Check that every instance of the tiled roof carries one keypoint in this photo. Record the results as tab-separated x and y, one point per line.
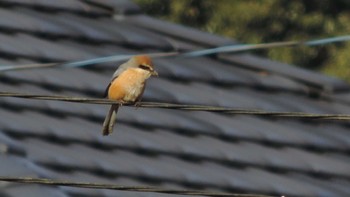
160	147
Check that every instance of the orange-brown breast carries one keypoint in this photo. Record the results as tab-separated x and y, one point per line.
128	86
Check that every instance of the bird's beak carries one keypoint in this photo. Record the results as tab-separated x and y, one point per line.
154	73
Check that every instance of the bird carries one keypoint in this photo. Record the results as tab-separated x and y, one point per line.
127	86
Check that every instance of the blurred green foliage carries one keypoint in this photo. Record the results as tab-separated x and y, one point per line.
259	21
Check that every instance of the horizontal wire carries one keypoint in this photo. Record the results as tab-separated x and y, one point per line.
116	58
202	52
248	47
238	48
186	107
27	66
66	183
83	62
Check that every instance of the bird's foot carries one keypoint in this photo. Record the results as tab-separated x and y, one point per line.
137	104
121	103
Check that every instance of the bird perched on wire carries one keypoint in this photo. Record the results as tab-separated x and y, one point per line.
127	86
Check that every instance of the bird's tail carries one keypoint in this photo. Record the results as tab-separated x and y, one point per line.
110	120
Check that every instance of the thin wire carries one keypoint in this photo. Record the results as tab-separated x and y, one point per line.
43	181
328	40
27	66
238	48
256	112
248	47
223	49
113	58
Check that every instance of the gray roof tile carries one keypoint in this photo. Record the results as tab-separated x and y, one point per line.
30	21
13	45
27	125
10	146
343	97
161	147
41	152
320	164
282	185
14	166
86	177
208	70
34	191
170	118
308	77
63	78
66	5
120	6
336	187
176	31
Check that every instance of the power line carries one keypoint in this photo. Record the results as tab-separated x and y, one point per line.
27	66
43	181
249	47
238	48
186	107
223	49
113	58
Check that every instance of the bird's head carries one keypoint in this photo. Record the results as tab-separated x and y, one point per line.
144	62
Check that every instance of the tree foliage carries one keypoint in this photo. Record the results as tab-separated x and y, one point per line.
259	21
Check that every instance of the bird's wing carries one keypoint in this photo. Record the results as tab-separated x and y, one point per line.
116	74
120	69
106	91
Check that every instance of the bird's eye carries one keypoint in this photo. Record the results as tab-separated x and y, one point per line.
145	67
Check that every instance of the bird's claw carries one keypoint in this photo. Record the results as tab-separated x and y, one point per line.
137	104
121	103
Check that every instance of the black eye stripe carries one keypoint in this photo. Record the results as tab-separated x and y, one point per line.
144	67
